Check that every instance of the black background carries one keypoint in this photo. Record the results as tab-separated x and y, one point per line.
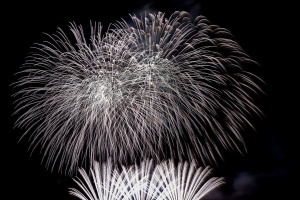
266	31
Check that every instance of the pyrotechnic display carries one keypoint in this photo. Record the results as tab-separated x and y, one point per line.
165	180
156	88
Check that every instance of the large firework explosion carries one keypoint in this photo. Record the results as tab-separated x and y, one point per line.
147	180
154	87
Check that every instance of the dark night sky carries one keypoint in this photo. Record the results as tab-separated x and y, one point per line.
265	31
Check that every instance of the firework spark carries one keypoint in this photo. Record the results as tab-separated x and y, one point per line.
155	88
146	181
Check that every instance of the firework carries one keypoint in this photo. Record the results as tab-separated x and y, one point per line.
165	180
154	87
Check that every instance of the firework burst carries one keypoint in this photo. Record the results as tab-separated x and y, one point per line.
155	88
165	180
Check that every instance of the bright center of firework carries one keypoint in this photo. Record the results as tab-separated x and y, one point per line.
155	71
101	93
105	91
142	77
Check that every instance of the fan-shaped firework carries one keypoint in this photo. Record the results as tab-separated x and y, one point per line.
146	181
159	88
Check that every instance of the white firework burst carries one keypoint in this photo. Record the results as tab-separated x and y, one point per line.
146	181
159	88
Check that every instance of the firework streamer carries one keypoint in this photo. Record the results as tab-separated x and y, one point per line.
154	87
147	181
